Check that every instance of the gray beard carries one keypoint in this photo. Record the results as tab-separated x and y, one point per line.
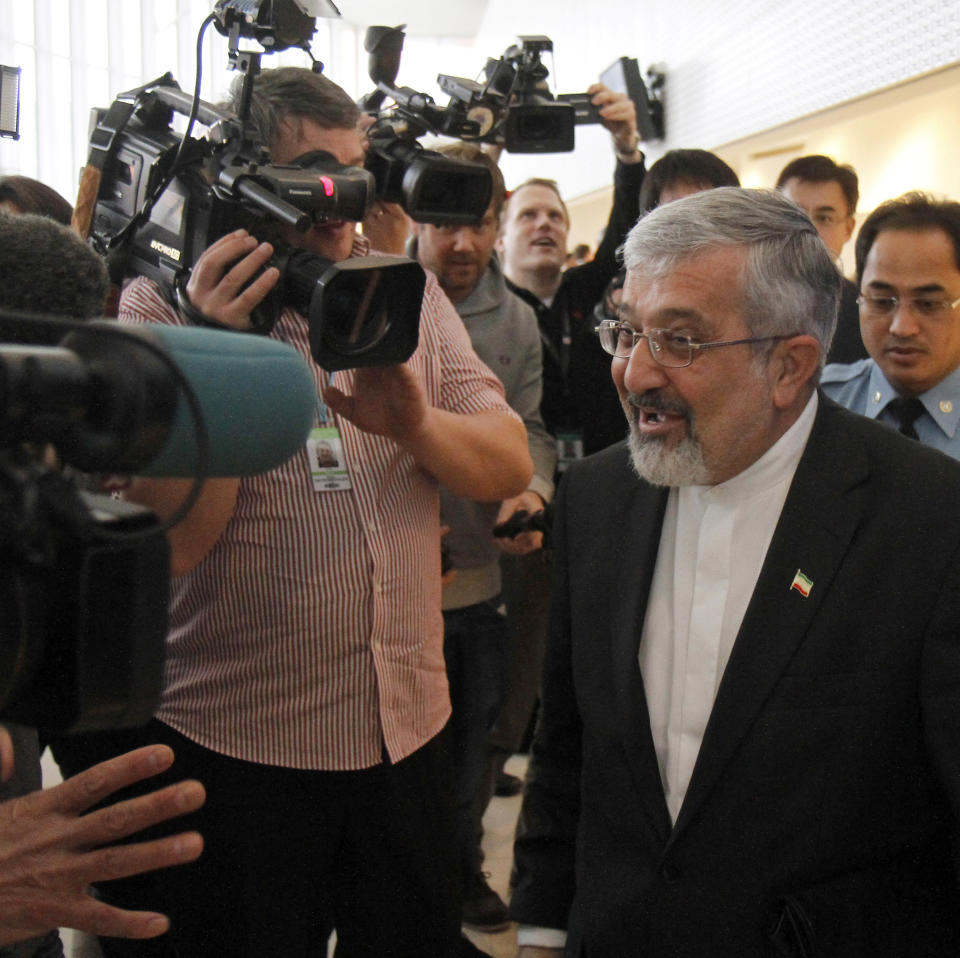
681	466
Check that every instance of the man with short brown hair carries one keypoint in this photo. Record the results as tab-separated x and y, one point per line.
828	192
503	332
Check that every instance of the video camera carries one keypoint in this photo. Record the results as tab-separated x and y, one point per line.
84	578
163	199
512	107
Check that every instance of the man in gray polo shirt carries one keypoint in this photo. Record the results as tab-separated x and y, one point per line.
503	331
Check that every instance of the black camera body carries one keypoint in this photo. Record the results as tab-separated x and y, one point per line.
512	107
84	584
164	200
534	121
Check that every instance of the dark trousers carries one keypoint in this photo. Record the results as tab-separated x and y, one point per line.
477	653
290	854
526	592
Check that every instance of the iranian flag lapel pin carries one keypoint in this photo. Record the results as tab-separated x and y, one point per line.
802	583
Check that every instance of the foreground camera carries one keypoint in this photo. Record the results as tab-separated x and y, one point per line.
83	588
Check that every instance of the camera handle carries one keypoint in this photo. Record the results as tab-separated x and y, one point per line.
248	63
243	181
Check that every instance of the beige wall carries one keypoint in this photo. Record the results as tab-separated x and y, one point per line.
588	217
903	138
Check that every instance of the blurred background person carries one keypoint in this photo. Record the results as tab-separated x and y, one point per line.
828	193
477	648
21	194
682	173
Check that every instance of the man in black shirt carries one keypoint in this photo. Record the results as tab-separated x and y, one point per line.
580	406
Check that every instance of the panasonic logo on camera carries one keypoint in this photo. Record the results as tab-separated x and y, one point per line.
166	250
301	192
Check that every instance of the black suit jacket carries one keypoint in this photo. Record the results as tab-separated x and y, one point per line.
823	805
847	345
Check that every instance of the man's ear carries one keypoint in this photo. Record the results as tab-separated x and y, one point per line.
851	226
794	364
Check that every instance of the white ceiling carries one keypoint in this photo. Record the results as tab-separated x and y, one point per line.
454	18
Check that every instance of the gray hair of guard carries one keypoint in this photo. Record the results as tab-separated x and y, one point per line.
790	283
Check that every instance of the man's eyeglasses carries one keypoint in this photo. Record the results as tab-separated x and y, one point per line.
924	306
826	218
667	348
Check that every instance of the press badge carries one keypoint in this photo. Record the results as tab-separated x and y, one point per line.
328	466
569	448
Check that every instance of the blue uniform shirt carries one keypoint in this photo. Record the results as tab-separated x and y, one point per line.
863	388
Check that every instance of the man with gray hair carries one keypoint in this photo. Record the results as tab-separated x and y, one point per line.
749	742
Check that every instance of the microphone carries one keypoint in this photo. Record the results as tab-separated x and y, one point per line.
113	398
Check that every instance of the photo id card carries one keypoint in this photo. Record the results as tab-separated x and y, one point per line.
569	448
328	466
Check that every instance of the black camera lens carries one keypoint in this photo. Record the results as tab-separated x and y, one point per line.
362	311
356	312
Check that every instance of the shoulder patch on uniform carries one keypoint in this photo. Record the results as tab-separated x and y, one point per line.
843	372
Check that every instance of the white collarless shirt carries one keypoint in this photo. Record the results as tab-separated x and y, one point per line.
712	546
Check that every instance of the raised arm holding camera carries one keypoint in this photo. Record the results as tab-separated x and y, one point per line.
533	245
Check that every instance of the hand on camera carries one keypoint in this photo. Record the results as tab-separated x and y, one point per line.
619	116
520	545
218	283
387	227
6	755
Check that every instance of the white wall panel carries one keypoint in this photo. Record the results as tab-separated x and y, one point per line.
735	67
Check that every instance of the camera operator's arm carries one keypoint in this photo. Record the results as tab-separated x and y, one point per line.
50	851
386	225
619	116
193	537
590	279
480	455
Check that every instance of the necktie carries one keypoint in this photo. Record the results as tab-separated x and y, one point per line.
906	411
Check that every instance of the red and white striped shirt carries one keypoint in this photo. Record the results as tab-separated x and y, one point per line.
311	634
